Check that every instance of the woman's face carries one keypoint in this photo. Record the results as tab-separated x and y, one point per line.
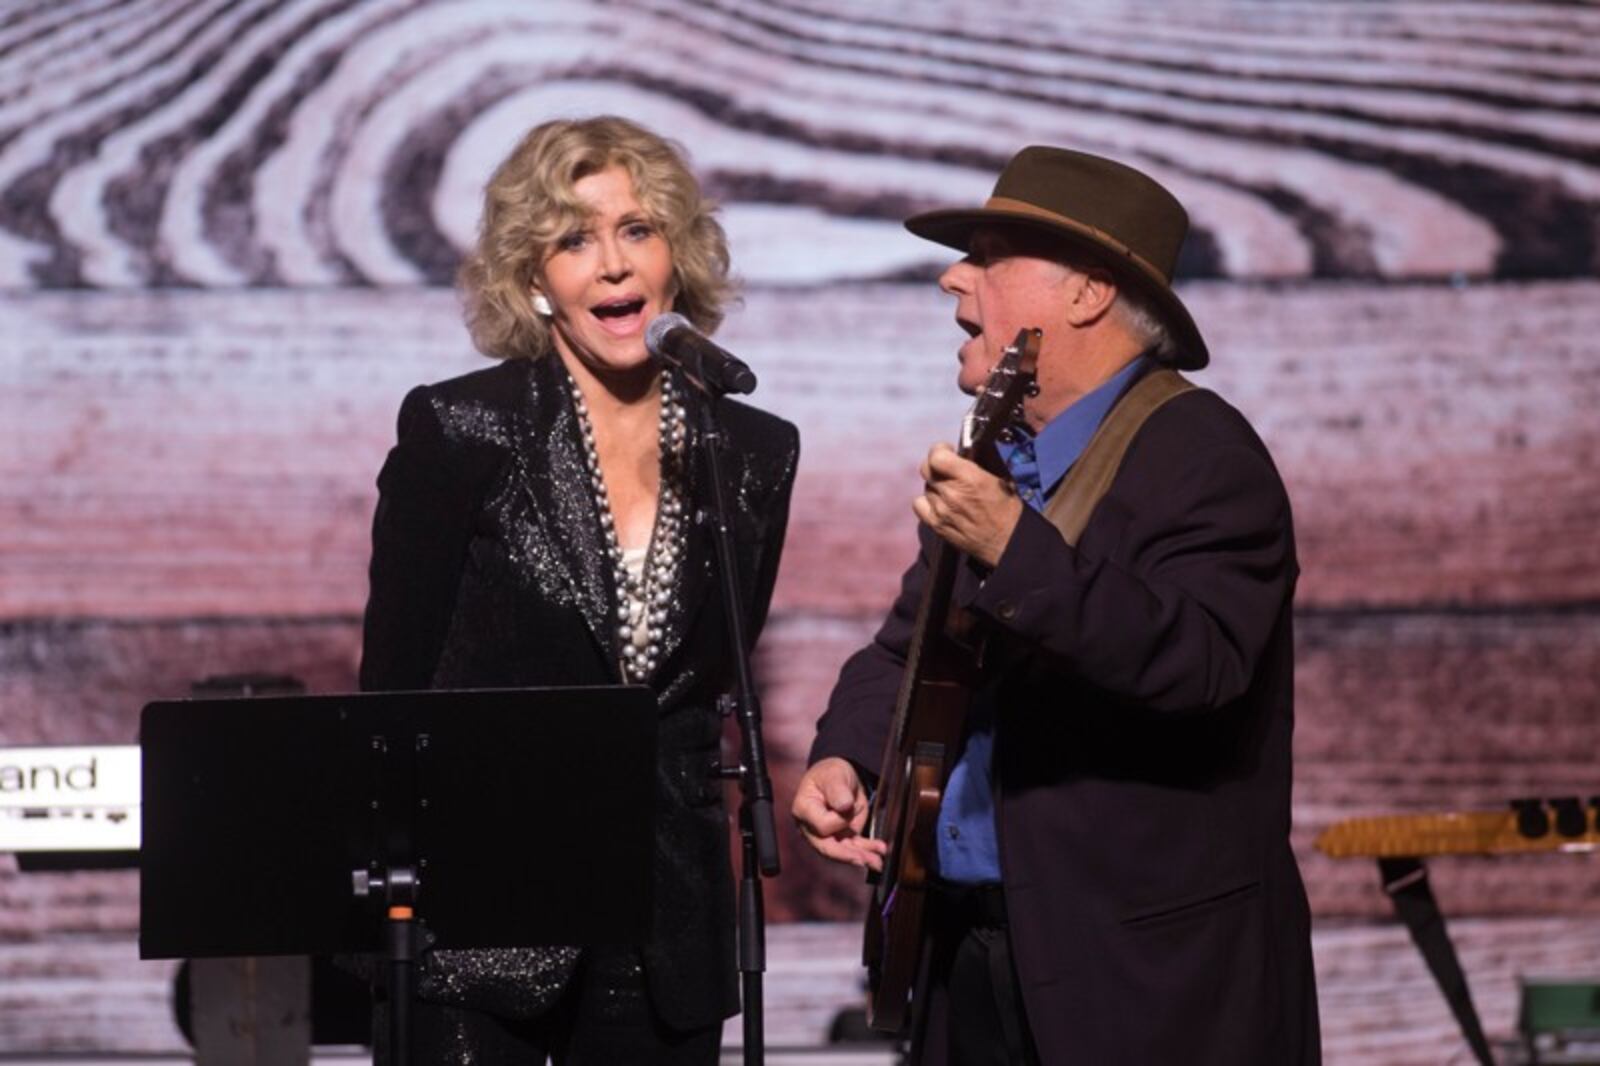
606	280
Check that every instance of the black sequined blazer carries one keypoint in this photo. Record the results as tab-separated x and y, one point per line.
488	570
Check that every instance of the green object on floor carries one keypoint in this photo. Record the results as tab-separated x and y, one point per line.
1560	1005
1559	1021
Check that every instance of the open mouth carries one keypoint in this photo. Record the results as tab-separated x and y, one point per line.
972	328
622	316
614	310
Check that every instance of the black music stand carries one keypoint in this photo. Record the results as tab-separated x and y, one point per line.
334	824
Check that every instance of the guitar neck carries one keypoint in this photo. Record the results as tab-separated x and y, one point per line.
1454	833
924	653
937	659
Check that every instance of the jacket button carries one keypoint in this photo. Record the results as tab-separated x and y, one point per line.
1007	611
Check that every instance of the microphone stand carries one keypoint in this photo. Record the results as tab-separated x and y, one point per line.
758	833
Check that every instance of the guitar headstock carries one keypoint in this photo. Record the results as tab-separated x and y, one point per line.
999	401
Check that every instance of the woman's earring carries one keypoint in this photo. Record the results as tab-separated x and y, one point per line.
541	305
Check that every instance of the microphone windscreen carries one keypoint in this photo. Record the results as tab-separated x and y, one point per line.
655	334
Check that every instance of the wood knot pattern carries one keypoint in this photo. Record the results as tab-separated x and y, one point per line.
227	234
224	143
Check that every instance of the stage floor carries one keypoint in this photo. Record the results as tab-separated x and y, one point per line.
352	1056
95	1002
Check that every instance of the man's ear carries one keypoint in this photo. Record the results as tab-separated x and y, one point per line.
1090	295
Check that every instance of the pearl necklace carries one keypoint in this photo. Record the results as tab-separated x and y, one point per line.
642	600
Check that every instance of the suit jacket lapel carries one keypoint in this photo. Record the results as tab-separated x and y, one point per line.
554	470
553	467
695	576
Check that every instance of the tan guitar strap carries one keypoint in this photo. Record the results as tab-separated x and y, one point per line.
1086	483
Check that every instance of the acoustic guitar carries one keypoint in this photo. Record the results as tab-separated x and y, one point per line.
942	668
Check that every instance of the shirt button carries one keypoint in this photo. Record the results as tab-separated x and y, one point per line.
953	832
1007	611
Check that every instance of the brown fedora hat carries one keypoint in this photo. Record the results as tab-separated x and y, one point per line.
1134	225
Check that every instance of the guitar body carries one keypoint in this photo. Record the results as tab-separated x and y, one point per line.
942	669
892	940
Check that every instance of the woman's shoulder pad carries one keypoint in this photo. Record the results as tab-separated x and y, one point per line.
755	426
477	410
498	385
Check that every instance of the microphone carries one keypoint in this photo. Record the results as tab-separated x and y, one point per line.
670	337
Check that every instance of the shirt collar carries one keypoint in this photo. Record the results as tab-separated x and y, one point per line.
1065	436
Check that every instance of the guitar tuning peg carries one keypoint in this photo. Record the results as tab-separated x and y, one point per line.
1033	387
1571	821
1532	820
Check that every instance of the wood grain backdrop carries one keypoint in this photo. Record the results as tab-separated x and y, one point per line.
227	229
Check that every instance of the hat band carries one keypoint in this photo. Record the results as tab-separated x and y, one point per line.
1100	236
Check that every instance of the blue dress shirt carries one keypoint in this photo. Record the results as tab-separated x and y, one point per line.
969	852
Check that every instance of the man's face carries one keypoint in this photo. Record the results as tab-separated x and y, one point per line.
1007	282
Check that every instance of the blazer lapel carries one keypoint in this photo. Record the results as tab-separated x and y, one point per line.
554	470
695	575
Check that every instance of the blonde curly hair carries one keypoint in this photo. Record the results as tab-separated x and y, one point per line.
530	203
